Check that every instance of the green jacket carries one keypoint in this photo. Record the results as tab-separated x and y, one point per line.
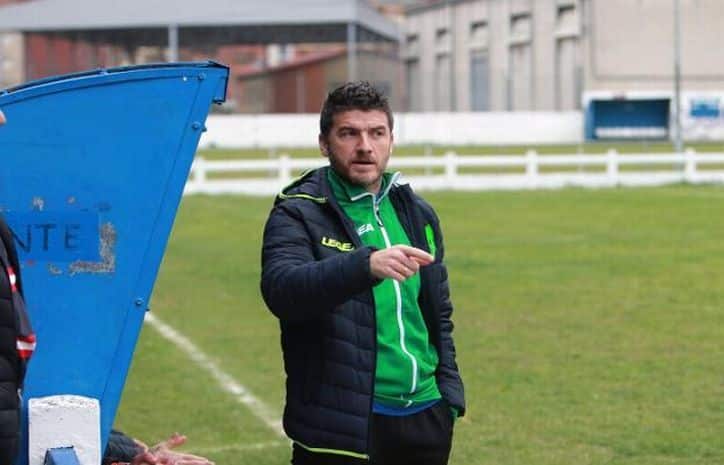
316	280
406	360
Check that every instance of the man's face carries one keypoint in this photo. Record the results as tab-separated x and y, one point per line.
2	118
358	146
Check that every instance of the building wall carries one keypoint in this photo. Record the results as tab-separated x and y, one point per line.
537	55
50	55
629	45
12	59
303	88
381	70
506	55
298	90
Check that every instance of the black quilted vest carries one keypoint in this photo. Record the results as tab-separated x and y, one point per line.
12	366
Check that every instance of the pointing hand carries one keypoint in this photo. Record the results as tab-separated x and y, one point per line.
398	262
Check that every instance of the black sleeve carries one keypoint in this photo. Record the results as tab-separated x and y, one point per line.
7	239
120	448
295	285
448	375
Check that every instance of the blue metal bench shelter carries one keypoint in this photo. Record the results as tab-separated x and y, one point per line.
94	166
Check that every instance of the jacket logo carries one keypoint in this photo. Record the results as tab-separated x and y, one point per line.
364	229
335	244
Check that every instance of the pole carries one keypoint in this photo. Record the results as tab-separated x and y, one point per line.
453	90
678	143
172	43
3	84
351	52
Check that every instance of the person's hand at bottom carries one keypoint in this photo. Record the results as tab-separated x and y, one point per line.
163	454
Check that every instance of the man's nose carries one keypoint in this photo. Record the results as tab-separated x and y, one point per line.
364	144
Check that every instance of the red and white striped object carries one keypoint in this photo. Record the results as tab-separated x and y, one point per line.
26	346
13	279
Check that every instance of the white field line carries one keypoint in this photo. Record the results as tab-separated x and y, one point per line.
255	446
225	381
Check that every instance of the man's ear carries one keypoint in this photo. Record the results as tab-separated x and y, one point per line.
323	146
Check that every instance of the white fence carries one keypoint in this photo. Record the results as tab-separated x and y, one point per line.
458	172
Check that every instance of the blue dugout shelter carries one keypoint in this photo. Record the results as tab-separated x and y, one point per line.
627	117
94	166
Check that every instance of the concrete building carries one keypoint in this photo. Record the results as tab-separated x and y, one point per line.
513	55
12	57
301	85
62	36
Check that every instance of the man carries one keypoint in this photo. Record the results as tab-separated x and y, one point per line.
17	342
352	267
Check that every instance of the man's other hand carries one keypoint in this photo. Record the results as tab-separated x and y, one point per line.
162	454
398	262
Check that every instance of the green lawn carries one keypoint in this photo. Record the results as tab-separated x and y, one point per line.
589	328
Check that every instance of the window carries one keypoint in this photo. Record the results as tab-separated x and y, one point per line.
412	44
567	20
568	74
479	32
520	27
412	75
442	40
479	81
442	82
521	79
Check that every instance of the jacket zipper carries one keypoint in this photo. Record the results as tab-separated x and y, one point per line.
398	303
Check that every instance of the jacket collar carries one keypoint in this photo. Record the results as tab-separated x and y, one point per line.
345	191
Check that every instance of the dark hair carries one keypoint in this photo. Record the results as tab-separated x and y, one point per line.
358	95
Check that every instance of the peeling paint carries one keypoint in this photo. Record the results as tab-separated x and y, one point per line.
38	204
54	270
107	251
71	200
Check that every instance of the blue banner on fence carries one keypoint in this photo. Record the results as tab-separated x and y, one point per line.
705	108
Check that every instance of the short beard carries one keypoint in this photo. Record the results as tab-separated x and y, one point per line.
364	185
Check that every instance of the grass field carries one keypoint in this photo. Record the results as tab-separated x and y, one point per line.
589	329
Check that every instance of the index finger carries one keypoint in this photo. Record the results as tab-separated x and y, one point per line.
173	441
419	255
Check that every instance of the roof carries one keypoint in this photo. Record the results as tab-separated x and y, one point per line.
277	21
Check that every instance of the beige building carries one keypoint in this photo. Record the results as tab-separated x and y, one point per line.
12	61
513	55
